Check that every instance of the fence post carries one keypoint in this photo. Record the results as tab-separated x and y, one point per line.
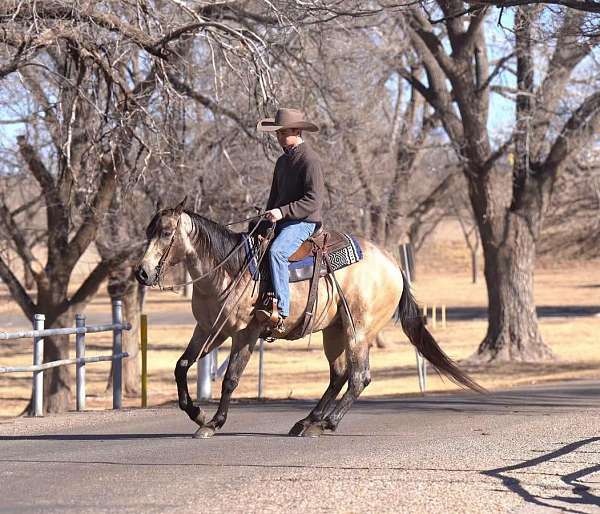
38	358
144	342
117	317
214	365
80	354
261	367
203	383
421	362
188	287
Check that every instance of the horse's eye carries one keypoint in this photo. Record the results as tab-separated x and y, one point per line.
166	233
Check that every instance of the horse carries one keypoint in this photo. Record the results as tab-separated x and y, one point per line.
372	288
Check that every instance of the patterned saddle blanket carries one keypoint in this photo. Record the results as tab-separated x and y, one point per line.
343	250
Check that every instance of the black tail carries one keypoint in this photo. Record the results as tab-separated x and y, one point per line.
412	323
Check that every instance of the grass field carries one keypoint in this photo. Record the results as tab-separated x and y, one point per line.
295	370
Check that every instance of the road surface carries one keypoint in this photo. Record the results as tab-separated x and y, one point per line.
529	450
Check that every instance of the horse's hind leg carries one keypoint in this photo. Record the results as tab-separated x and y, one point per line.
184	363
359	377
241	350
333	345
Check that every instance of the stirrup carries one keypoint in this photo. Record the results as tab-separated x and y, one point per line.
266	317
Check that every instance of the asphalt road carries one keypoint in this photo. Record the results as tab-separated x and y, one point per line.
529	450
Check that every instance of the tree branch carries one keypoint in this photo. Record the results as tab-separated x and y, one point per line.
209	103
56	216
591	6
94	280
576	132
89	226
23	249
17	290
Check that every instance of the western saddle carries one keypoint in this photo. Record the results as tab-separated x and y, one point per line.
320	244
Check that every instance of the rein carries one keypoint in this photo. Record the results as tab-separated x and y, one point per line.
204	275
213	334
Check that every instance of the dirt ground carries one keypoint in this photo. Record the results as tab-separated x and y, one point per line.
297	370
567	296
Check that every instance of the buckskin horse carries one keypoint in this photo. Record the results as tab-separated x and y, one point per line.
215	258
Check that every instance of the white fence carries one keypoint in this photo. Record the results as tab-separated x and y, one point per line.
38	333
209	370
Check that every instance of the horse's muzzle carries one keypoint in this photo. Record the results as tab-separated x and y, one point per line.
142	276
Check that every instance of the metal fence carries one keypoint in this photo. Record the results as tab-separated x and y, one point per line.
209	370
38	333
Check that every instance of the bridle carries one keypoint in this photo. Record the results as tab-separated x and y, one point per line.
219	321
165	255
163	259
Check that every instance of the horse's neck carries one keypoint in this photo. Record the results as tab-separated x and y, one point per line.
198	265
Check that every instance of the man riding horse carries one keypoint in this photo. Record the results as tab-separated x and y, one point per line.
351	308
294	204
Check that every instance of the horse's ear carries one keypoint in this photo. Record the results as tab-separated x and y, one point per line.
179	208
159	205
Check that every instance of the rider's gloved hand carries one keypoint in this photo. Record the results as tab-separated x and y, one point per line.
274	215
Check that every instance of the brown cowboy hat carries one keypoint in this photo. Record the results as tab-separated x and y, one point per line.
284	119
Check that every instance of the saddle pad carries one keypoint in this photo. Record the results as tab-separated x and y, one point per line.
303	270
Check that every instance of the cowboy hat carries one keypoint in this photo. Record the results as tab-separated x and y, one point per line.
284	119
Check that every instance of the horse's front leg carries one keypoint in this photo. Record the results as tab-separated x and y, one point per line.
184	363
241	350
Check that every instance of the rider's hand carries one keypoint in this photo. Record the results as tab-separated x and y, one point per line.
274	215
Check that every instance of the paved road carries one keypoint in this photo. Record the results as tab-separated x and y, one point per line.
531	450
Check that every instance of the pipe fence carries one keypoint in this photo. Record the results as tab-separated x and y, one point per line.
38	333
209	370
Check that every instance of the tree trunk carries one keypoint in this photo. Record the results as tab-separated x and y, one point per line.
513	333
474	266
28	279
123	286
57	381
131	340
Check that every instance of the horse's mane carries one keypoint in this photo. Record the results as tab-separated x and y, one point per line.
211	240
217	242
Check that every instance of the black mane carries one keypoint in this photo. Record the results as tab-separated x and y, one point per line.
217	242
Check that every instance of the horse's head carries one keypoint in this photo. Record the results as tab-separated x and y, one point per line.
165	235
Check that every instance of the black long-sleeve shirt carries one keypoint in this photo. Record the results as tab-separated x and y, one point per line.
298	186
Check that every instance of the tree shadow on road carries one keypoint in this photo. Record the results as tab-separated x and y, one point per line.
89	437
581	492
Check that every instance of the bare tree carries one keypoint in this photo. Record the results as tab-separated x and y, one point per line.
94	80
461	209
460	81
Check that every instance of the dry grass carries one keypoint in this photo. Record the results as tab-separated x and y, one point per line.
294	370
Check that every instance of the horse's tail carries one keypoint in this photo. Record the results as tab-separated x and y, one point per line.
412	323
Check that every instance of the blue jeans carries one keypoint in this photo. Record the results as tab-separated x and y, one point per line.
289	235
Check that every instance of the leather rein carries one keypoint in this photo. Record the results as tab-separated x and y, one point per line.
164	256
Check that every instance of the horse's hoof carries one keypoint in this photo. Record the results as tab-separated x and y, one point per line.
200	419
204	433
313	431
298	429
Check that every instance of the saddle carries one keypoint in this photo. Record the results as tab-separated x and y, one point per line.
321	254
329	241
